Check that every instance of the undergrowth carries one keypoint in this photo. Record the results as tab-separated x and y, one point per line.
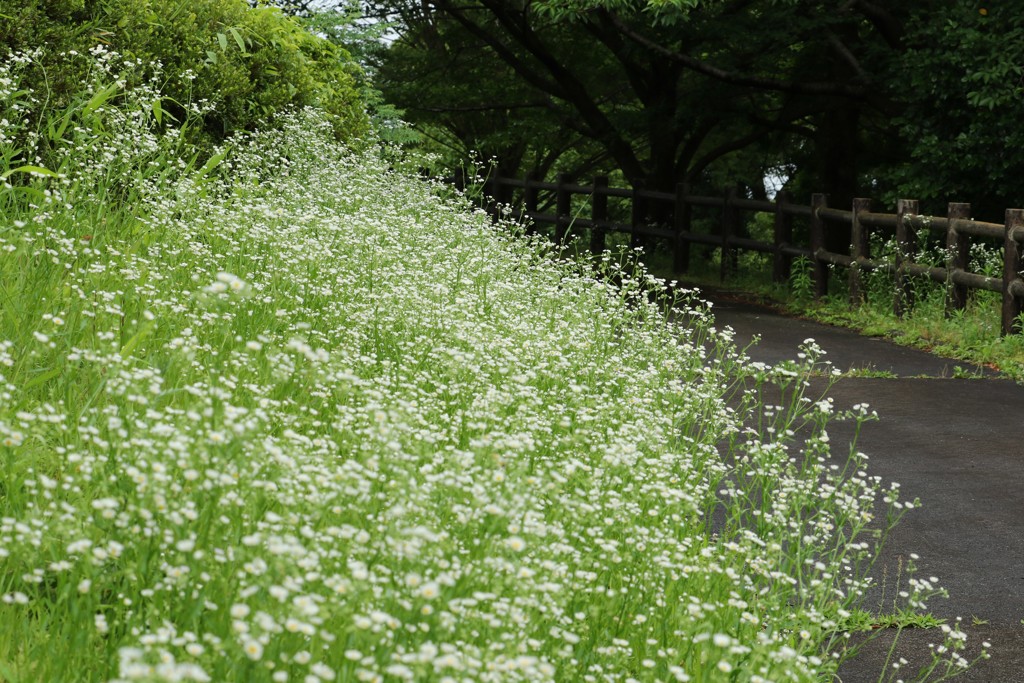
289	415
971	334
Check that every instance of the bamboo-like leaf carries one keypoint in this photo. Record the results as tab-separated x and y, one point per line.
223	40
35	170
32	194
239	40
5	669
99	99
57	133
158	111
136	339
212	163
45	377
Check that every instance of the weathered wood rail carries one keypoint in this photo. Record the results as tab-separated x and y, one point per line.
907	225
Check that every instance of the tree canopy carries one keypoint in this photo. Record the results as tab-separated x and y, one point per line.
850	98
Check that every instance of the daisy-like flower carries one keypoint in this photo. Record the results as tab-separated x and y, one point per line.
253	649
430	590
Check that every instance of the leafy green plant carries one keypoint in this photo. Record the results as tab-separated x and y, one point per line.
864	620
801	284
290	415
972	334
235	65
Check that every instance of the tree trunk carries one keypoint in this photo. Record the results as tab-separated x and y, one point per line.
837	160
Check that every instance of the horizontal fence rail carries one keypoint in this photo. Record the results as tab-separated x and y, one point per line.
675	212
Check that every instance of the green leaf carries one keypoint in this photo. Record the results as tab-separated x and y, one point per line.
158	111
223	40
5	669
99	99
45	377
239	40
33	194
32	170
211	57
57	133
212	163
137	338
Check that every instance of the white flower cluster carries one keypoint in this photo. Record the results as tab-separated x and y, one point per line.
416	449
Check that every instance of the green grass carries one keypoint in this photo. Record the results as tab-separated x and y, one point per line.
864	620
972	335
298	417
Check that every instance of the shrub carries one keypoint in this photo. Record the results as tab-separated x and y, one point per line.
251	63
247	63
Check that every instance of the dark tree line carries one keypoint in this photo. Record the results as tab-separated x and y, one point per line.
717	95
916	98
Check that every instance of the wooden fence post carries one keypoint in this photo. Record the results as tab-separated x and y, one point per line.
563	210
1012	266
906	246
782	235
858	251
819	267
958	248
730	217
681	219
599	215
638	214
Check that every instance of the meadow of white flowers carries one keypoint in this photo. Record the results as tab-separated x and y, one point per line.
302	418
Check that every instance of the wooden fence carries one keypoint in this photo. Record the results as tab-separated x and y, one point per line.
905	224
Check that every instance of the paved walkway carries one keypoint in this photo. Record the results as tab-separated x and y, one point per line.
958	445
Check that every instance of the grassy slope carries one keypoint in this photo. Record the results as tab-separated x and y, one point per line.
302	419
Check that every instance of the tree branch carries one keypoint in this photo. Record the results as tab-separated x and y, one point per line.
718	152
610	37
813	88
889	27
693	143
561	82
479	108
846	55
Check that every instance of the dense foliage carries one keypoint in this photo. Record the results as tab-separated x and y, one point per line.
296	417
890	99
238	65
960	86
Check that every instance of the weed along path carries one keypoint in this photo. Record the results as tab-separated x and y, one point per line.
956	444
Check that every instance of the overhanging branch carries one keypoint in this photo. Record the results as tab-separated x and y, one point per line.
795	88
558	81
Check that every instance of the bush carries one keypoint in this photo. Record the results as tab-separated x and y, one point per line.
251	63
248	63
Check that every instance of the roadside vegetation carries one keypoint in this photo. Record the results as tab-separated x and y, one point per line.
272	410
902	99
971	335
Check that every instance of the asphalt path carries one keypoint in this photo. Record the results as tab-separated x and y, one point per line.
952	435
